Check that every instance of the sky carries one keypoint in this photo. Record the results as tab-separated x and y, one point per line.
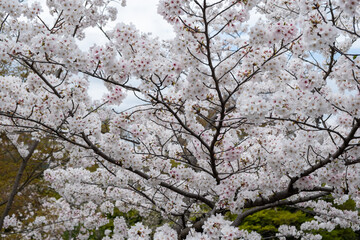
142	13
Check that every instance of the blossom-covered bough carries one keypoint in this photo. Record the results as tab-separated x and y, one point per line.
238	114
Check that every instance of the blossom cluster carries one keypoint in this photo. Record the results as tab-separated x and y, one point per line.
232	118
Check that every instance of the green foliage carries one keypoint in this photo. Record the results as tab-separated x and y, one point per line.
339	234
131	217
194	217
266	222
174	163
105	126
69	235
348	205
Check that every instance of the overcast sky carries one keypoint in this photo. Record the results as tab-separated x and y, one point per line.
142	13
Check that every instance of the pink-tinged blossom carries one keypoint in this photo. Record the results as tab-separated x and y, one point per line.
139	232
236	114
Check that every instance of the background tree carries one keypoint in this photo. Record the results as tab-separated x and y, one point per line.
22	163
234	120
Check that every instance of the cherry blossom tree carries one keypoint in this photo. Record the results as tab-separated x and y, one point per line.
236	116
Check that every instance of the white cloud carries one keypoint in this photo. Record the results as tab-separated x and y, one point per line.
143	13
